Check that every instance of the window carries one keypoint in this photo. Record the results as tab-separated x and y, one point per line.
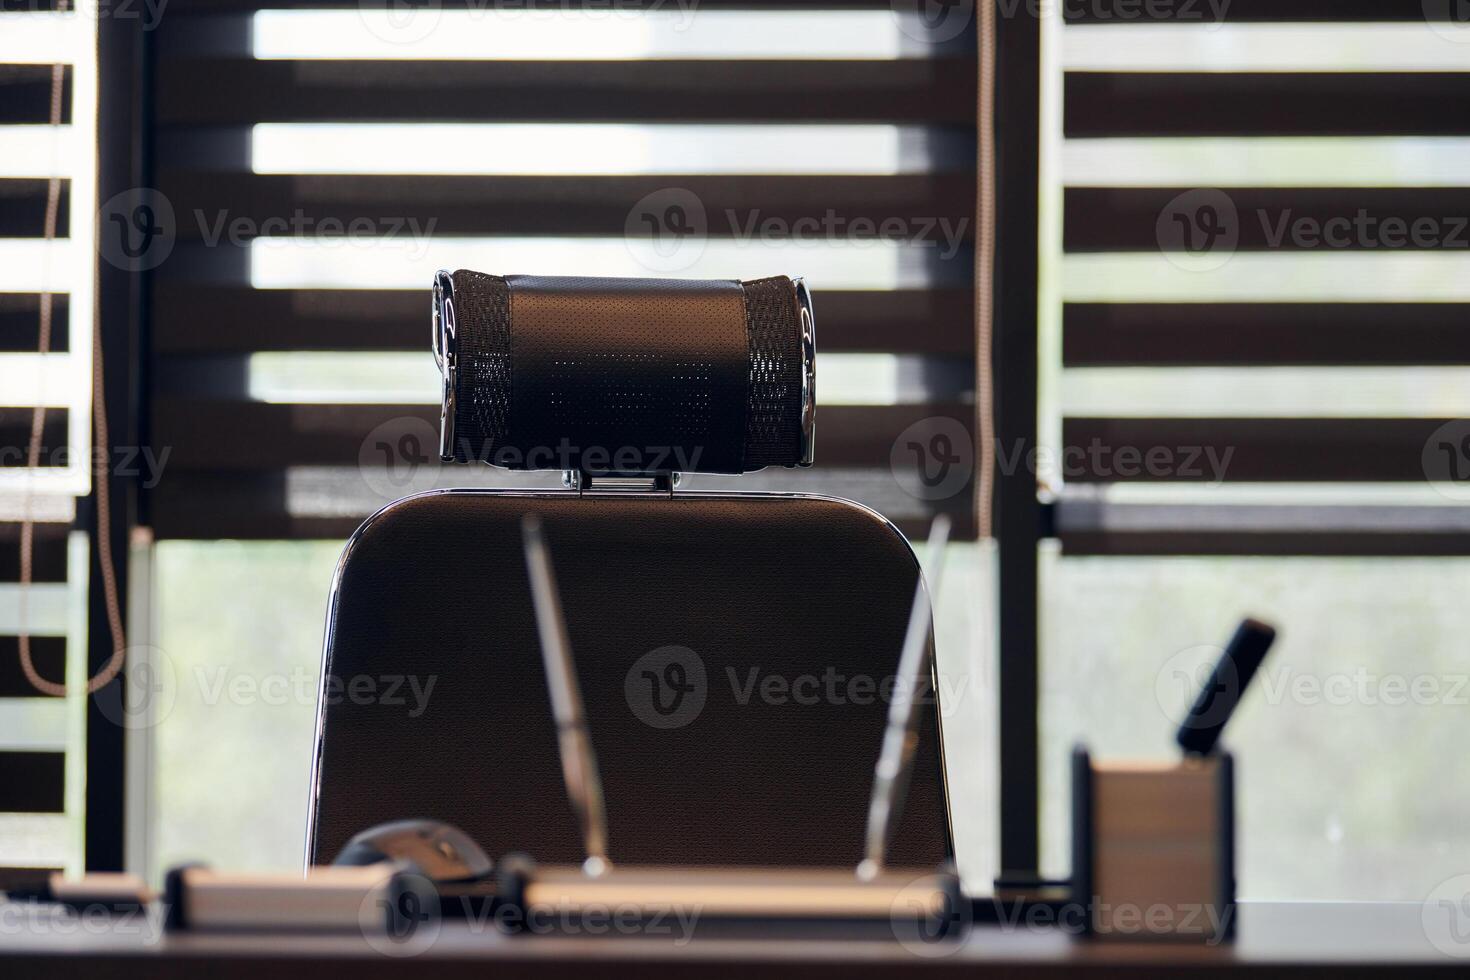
1253	353
1228	341
318	176
48	161
321	164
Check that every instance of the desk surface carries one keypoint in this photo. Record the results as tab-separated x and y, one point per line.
1304	939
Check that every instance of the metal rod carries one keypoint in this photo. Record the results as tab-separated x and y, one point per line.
578	761
896	759
1018	512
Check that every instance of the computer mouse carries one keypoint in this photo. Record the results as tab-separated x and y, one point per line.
438	851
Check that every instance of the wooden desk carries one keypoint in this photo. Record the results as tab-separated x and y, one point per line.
1299	939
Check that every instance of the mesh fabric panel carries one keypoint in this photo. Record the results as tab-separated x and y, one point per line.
773	412
484	387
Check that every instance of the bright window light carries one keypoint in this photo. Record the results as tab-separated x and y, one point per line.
47	508
580	149
34	265
1270	277
588	34
31	378
47	608
38	151
1257	392
1267	161
1267	494
47	840
317	263
411	378
31	265
1363	47
344	377
43	38
34	724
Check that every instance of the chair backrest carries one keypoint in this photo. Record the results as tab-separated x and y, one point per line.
736	652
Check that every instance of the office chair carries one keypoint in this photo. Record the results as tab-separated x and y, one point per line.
734	649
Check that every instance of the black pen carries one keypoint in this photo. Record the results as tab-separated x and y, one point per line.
1200	731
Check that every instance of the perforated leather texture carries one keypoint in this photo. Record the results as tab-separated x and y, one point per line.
793	609
628	375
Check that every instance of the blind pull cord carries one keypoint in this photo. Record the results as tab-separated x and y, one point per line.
100	460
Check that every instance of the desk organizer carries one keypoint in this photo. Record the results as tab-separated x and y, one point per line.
1153	847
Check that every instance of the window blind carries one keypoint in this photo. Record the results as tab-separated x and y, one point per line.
320	161
42	752
1258	231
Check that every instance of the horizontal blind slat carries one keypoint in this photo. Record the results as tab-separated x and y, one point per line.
32	782
48	654
1087	526
1264	334
1127	219
1100	104
25	94
1123	12
23	207
201	319
937	91
20	327
934	206
1326	544
206	434
48	556
1274	450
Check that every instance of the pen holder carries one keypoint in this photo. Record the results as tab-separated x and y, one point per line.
1153	847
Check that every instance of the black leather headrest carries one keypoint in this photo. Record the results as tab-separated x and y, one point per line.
625	376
